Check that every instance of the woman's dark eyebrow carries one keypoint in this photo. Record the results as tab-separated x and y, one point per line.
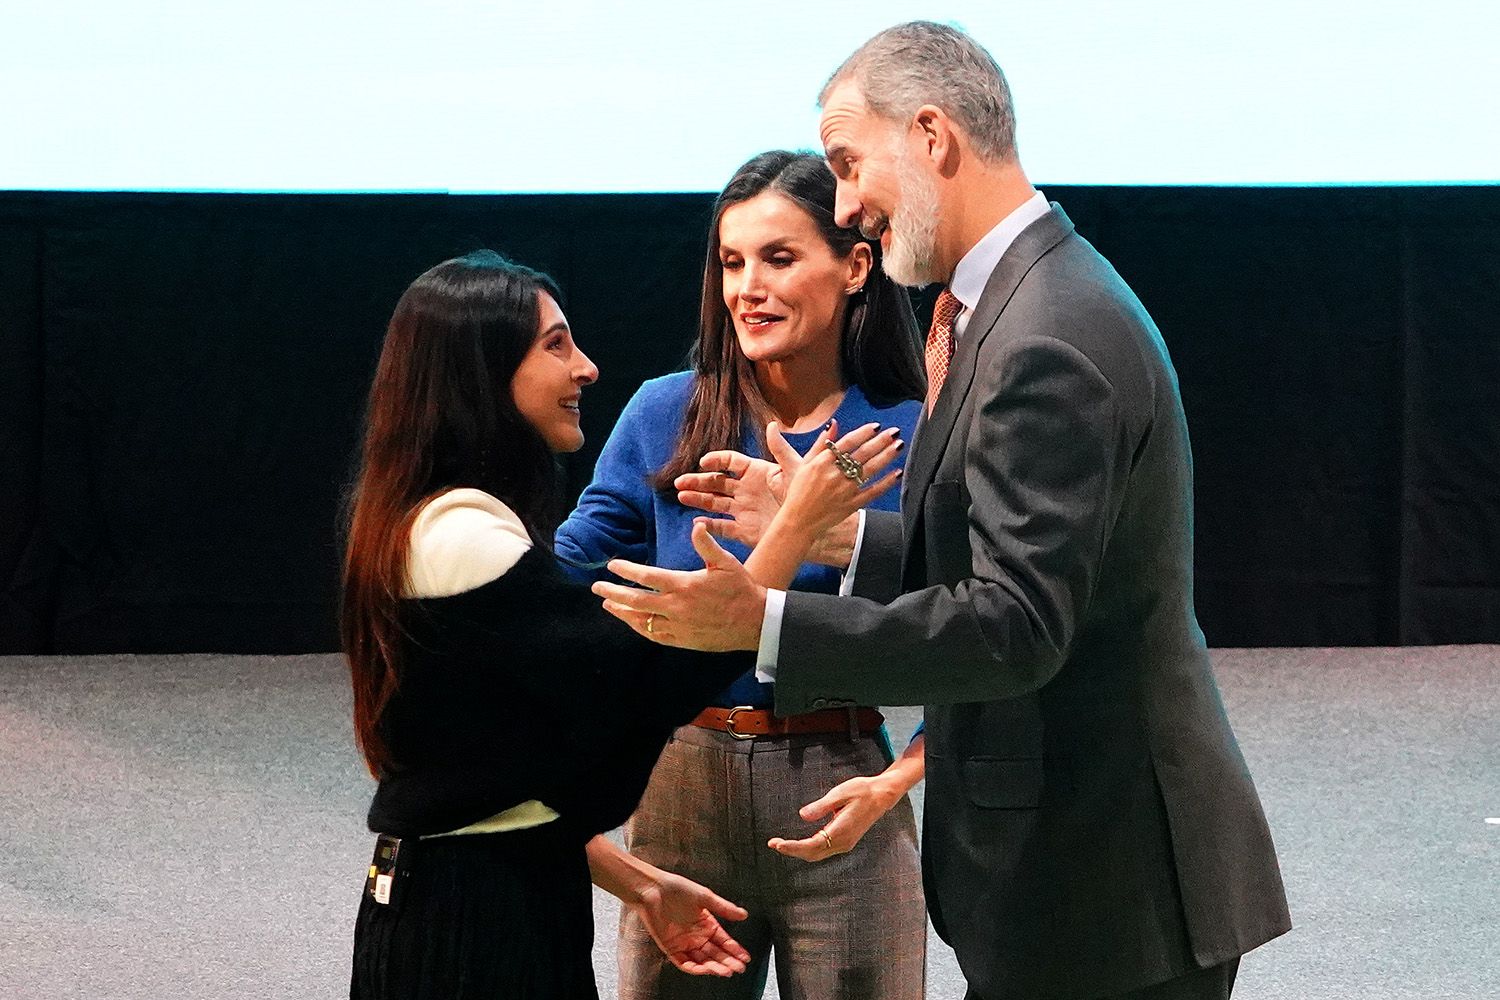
773	246
559	325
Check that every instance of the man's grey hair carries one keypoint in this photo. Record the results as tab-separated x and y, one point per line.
922	62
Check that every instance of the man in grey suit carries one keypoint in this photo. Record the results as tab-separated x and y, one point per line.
1091	829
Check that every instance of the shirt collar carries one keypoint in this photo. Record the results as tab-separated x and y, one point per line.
973	272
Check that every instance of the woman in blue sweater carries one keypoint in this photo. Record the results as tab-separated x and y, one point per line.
804	821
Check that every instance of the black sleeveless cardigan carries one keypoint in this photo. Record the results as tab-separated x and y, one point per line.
525	688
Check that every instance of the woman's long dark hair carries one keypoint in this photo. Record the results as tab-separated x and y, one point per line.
878	352
440	416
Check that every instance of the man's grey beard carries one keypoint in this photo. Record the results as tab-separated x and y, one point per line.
913	225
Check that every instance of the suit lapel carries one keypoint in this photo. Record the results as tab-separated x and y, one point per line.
930	439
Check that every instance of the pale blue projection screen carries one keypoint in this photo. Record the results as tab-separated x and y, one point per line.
492	95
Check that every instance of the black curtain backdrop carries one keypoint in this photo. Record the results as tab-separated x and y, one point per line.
183	376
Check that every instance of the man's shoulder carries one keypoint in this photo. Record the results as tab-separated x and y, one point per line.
1074	295
1074	275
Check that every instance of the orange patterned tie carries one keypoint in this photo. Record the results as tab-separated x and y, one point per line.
940	343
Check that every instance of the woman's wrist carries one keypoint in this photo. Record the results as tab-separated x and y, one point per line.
782	550
791	529
618	873
906	770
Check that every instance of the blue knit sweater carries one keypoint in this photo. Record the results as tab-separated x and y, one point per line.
619	515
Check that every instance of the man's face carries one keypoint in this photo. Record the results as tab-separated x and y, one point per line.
884	186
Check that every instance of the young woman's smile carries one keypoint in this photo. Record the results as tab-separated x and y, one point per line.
549	381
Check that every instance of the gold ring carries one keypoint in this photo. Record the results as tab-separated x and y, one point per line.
826	839
650	624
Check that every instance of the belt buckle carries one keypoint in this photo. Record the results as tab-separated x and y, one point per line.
729	722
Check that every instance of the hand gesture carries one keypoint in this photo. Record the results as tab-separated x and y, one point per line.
714	609
683	917
838	475
854	807
749	490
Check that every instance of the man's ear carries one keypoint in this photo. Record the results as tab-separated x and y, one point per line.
938	136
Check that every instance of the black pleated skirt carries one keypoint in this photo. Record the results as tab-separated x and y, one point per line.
499	915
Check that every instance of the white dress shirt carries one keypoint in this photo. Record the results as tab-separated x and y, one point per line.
969	278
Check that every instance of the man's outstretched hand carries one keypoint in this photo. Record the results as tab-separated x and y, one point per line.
714	609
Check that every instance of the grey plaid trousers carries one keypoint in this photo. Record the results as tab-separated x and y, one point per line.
853	927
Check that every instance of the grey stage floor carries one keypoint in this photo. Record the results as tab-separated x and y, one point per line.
191	827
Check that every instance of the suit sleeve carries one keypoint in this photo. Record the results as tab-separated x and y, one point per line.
1045	472
878	575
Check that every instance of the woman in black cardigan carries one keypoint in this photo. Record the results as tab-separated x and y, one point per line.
508	719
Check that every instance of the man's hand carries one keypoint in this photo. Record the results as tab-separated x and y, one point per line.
714	609
683	917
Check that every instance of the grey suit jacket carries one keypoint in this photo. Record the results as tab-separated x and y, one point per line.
1090	825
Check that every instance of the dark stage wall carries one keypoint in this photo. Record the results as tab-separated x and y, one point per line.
181	378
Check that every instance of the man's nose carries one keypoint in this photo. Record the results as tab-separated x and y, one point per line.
846	206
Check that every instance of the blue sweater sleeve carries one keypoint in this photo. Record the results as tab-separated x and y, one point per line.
614	517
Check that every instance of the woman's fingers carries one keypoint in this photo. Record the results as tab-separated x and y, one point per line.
716	503
877	462
831	802
708	482
878	443
875	489
731	462
785	455
721	527
850	443
810	849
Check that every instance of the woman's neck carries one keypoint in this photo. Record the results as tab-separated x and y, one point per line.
803	391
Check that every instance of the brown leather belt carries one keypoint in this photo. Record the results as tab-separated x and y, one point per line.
745	723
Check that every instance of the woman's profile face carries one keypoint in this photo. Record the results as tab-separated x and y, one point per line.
785	288
549	381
